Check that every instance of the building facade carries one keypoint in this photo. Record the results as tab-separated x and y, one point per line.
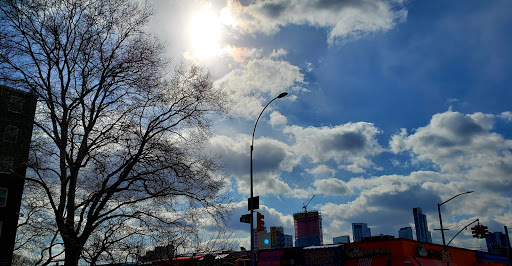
405	232
341	240
308	228
17	109
496	243
277	237
421	226
360	230
288	241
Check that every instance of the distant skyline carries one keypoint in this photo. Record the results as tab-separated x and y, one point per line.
392	105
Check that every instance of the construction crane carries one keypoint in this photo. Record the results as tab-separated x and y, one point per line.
305	207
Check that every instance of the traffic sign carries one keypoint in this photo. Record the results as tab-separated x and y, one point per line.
245	218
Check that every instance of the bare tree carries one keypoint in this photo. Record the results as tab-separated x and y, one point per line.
118	138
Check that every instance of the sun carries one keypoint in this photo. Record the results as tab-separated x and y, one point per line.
204	32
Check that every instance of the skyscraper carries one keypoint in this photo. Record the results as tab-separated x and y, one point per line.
17	109
308	229
420	223
496	242
405	232
360	230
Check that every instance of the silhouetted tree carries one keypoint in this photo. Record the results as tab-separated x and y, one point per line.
119	133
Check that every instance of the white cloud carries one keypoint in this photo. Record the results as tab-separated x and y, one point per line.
243	54
332	187
249	86
346	19
506	115
350	144
322	170
278	53
276	118
269	157
455	141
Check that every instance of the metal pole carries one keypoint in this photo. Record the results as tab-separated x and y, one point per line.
441	220
252	211
441	224
252	195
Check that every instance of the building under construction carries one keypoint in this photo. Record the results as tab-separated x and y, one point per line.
308	228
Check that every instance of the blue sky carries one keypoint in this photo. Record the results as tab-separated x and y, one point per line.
392	105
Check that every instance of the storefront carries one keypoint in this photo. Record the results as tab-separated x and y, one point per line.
405	252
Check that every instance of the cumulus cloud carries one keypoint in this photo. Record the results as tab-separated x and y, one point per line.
322	170
276	118
243	54
350	144
250	86
346	19
332	187
269	157
506	115
454	141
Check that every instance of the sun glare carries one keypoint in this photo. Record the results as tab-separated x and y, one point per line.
204	32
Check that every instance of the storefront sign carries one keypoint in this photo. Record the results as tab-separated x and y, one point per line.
440	254
356	252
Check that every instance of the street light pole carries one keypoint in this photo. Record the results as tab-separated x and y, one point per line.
252	194
441	220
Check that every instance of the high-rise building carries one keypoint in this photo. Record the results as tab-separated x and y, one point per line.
405	232
17	109
277	237
420	223
360	230
341	240
308	228
288	241
496	242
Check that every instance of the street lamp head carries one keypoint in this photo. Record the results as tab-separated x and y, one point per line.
469	192
282	95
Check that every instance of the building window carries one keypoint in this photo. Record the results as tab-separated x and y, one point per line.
6	165
3	197
11	133
16	104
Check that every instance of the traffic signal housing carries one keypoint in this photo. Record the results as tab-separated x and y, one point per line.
475	230
484	231
480	231
260	224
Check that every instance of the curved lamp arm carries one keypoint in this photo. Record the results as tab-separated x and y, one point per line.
254	130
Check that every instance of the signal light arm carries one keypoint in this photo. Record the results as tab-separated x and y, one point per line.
461	231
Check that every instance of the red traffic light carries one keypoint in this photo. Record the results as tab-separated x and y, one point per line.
260	224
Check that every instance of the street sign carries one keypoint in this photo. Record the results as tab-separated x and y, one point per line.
245	218
445	255
254	203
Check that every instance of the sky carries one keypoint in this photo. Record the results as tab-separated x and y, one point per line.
391	105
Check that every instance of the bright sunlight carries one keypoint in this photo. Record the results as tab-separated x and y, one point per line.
204	32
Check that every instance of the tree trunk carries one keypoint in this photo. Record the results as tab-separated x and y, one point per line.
72	253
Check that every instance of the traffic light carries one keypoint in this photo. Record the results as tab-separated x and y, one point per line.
479	232
485	232
475	230
260	224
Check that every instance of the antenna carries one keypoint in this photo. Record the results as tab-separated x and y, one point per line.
305	207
